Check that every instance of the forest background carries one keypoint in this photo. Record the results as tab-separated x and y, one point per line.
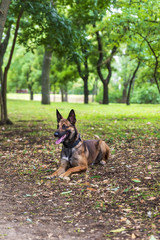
107	49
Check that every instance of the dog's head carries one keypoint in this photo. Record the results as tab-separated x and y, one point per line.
66	131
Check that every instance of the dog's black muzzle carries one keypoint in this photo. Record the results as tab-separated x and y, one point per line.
57	134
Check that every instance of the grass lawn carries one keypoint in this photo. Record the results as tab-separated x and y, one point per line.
111	122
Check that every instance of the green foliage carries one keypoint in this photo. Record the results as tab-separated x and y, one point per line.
146	94
25	70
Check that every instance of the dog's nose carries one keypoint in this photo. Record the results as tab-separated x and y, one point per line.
56	134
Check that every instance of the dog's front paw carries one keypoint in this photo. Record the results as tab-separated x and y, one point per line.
64	177
102	162
50	176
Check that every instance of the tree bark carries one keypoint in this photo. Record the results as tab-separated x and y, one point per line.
124	94
105	93
45	77
31	95
86	94
62	94
4	114
65	93
3	48
131	83
4	6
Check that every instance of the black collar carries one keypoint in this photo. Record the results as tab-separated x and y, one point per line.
72	145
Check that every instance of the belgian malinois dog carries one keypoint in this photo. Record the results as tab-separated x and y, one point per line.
76	154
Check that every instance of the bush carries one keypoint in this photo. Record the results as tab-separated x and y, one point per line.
146	94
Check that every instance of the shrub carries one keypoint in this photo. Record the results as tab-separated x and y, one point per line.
146	94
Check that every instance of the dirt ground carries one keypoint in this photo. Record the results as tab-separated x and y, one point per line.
119	200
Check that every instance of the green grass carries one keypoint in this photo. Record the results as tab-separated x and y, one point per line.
113	120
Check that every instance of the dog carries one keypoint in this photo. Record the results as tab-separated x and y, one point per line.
76	154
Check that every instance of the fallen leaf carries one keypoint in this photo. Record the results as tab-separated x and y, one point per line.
147	178
86	183
118	230
105	181
136	180
151	198
91	189
29	220
44	166
68	192
96	176
152	238
133	236
149	167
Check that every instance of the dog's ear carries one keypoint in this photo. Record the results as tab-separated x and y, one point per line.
59	116
72	117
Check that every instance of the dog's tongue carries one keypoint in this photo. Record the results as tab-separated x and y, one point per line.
60	139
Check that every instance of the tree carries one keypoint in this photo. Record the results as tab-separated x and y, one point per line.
4	6
141	18
45	76
62	74
107	62
25	71
83	15
131	83
84	74
44	26
4	114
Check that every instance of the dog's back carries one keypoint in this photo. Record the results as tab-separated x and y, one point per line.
96	150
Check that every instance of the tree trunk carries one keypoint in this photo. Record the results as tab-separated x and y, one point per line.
66	93
30	85
3	48
155	75
105	93
45	77
4	6
85	80
4	114
124	94
62	94
31	95
84	74
94	91
131	83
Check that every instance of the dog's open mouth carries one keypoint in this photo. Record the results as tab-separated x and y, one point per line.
61	139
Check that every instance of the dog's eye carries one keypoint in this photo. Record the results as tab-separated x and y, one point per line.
64	127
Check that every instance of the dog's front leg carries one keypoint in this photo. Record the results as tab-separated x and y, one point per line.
60	170
74	170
